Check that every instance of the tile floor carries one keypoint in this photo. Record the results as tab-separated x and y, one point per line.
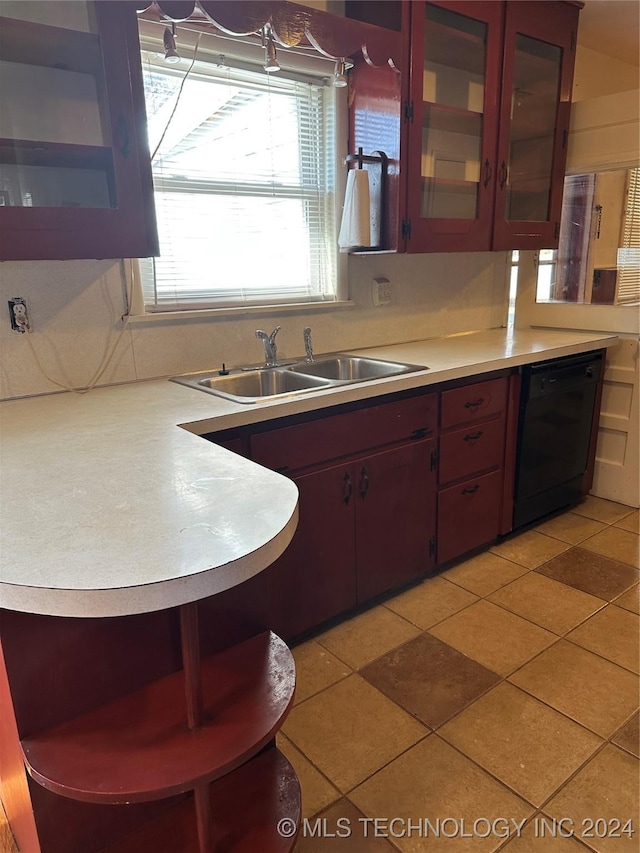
500	695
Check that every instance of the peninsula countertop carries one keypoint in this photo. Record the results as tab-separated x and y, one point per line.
112	503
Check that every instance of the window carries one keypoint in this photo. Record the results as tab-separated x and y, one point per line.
244	178
629	253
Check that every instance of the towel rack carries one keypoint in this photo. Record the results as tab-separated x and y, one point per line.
378	184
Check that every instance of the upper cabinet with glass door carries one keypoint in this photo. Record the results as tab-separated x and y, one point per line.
452	124
75	178
534	121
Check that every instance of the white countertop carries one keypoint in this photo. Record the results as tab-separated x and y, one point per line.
110	508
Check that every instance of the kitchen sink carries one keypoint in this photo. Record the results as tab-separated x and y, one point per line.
253	385
348	368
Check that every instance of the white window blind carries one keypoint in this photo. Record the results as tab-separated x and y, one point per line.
244	181
628	289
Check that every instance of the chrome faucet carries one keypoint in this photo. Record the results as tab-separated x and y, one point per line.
308	347
270	348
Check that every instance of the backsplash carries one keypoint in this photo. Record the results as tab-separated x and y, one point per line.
75	308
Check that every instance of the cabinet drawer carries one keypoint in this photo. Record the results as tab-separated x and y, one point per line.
337	436
468	515
466	451
473	402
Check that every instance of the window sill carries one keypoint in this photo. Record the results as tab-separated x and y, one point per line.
254	310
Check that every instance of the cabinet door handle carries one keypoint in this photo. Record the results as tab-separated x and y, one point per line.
473	436
473	404
503	174
470	490
487	173
364	482
347	489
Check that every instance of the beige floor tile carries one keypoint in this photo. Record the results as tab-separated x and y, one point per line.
613	633
628	737
316	668
606	788
602	510
538	837
365	637
431	602
350	730
526	744
340	829
596	693
317	792
630	522
617	544
547	602
630	599
484	573
530	549
571	527
434	781
494	637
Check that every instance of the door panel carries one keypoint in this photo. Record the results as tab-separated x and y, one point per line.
315	578
395	496
453	132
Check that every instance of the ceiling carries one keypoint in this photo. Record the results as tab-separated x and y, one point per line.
611	27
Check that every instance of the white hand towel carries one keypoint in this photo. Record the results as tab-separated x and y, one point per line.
355	229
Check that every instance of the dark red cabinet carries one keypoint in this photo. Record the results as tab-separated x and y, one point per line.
395	515
452	125
473	466
539	56
367	482
75	171
314	579
486	90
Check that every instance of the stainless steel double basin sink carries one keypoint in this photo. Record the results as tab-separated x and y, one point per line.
254	385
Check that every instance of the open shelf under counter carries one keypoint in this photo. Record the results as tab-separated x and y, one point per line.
139	747
248	806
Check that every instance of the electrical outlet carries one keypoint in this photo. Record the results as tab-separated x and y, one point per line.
19	316
381	292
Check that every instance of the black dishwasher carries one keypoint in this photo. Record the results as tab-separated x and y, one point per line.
554	431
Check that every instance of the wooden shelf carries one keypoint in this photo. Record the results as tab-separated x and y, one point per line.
454	48
449	185
140	747
30	43
55	155
246	804
452	120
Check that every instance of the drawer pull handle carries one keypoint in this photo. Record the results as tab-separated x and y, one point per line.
422	432
472	404
364	483
470	490
347	489
473	436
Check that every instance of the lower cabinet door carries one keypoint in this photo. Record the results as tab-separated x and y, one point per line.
468	515
395	517
314	579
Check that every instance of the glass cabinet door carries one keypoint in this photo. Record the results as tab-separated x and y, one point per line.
453	135
54	129
534	123
72	179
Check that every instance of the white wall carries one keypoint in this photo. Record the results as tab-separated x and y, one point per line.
76	308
